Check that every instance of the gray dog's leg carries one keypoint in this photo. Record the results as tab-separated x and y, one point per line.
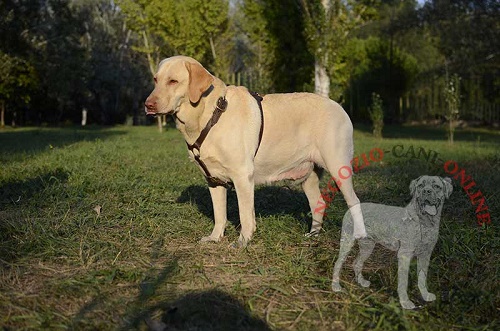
346	243
404	259
365	250
422	267
311	189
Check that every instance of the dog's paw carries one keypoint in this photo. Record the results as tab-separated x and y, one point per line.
312	234
336	287
363	282
359	234
242	242
237	245
429	296
408	304
209	239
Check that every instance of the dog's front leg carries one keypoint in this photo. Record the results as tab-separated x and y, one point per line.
422	268
219	202
244	187
404	259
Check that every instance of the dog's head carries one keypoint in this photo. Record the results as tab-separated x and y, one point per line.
178	79
429	193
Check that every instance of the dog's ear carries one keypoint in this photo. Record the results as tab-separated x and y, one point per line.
413	185
199	81
448	188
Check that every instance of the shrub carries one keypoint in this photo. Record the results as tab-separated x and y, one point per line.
377	115
452	97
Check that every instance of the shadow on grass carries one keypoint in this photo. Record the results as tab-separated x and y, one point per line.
159	307
435	133
17	197
21	191
269	201
200	310
36	140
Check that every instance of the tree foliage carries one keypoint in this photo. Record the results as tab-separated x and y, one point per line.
59	57
467	33
376	68
169	27
328	26
18	79
273	32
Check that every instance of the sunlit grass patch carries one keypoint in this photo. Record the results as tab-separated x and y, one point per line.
137	260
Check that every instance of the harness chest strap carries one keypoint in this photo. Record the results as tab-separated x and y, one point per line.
195	147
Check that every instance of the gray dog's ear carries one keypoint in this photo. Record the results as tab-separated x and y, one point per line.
413	185
448	188
200	80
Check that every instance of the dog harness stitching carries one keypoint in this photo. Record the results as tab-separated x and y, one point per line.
196	146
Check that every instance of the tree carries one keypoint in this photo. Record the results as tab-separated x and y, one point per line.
467	33
377	115
18	77
370	61
113	73
283	49
256	45
168	27
452	98
18	74
328	26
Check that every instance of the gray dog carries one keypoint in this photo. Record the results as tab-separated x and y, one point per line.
411	231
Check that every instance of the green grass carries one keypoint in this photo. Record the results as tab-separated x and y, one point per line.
64	266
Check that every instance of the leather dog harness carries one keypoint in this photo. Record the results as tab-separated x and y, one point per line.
196	146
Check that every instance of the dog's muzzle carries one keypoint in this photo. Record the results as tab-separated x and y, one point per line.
429	202
150	106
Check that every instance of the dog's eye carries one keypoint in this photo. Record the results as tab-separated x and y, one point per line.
437	187
155	79
172	82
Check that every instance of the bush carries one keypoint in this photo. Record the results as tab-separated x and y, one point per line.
377	115
452	97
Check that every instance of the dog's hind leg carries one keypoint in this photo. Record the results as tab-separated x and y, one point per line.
316	202
346	243
338	163
365	250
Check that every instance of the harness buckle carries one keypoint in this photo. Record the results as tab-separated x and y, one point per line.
222	104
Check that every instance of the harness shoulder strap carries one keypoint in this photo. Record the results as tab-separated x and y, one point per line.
219	109
196	146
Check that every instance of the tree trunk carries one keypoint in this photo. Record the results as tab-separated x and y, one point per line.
158	122
2	114
84	116
212	46
321	80
152	69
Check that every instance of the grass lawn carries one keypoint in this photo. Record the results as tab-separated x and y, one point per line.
99	230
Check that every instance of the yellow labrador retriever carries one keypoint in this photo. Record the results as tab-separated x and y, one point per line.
241	139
